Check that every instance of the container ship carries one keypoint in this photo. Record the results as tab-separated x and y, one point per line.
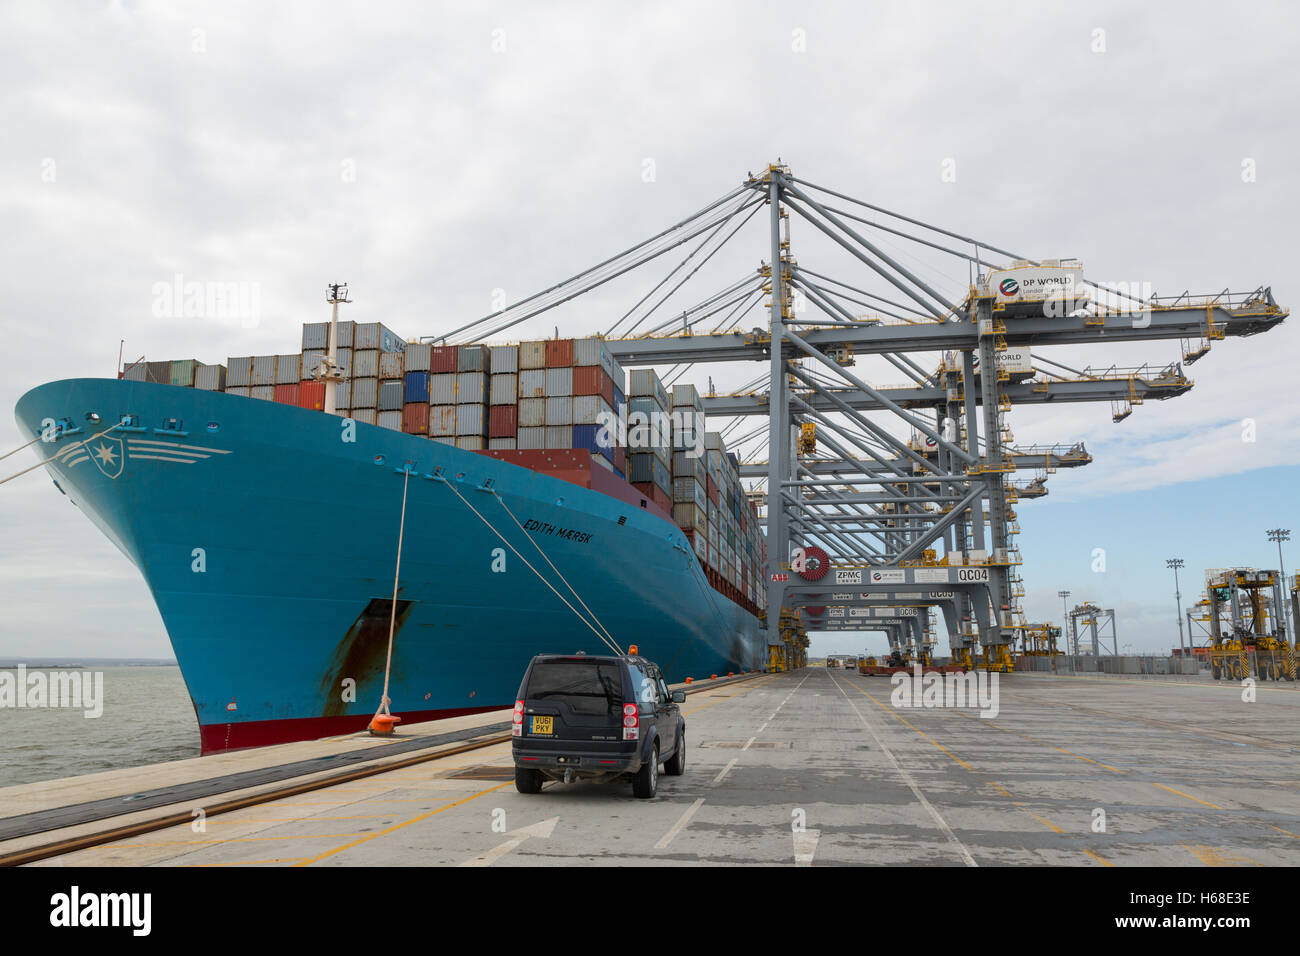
263	501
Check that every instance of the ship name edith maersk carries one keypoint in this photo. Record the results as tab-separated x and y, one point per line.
267	534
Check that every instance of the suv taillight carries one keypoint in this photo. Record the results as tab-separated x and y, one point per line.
631	722
517	720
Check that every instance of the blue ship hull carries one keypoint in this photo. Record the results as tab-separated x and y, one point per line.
268	541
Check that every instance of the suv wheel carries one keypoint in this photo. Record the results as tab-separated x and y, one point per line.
677	765
528	781
646	781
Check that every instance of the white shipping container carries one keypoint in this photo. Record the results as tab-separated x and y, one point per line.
210	378
559	381
315	335
311	361
531	438
559	411
501	444
343	356
442	388
504	359
532	413
363	415
532	355
365	393
442	421
470	420
240	390
342	395
347	334
392	364
264	392
588	408
365	363
263	370
504	389
644	382
471	388
590	352
532	383
390	419
288	369
391	394
417	357
559	436
445	440
470	442
139	372
687	395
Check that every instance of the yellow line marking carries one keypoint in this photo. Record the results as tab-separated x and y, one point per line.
191	866
1287	832
743	692
1212	857
1204	803
138	846
934	742
1019	803
1035	740
1100	859
398	826
313	819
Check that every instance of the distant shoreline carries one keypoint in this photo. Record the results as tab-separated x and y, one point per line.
9	663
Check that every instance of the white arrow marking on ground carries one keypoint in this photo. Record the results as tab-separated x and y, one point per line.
805	846
542	830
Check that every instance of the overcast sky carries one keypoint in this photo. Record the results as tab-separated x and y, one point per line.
433	155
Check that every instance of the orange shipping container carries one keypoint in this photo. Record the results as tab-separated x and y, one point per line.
415	418
559	353
311	395
593	380
286	394
442	358
502	421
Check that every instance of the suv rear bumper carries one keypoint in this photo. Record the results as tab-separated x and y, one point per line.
582	762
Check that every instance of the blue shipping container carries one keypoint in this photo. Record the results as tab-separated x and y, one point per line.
589	437
417	387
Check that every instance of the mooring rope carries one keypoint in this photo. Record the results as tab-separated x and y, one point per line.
49	460
552	564
392	616
606	641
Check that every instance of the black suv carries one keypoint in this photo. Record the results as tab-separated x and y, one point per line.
583	717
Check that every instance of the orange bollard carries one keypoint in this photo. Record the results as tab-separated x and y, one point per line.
689	679
713	677
382	725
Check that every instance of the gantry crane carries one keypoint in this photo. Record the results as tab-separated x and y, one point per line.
908	489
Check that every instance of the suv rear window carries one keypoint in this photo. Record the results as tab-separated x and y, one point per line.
593	688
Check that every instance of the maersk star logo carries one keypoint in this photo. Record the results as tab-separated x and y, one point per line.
108	456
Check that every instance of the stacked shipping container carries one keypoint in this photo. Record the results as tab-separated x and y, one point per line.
552	394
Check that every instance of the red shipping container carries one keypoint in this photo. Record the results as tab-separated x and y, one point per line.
593	380
415	418
559	353
442	358
620	458
503	421
311	395
286	394
712	490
